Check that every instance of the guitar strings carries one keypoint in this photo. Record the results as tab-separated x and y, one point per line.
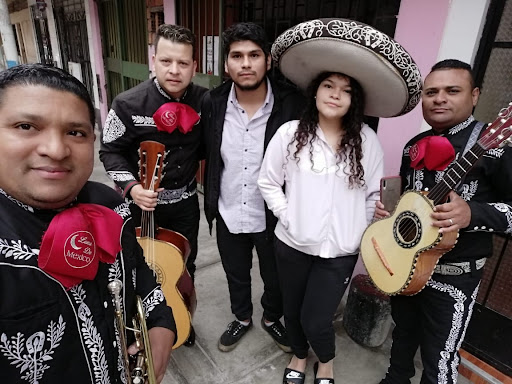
148	224
439	191
492	133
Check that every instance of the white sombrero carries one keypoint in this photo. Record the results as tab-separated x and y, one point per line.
388	75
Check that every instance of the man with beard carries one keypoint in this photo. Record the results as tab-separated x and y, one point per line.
242	116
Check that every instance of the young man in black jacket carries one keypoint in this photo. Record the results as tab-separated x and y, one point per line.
240	118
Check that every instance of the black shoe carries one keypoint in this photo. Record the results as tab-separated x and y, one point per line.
278	333
232	335
191	338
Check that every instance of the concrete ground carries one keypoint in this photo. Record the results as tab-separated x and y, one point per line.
256	360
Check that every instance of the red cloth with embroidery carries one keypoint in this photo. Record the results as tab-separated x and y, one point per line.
432	152
77	239
175	115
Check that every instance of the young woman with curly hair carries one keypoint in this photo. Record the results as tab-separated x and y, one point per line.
320	177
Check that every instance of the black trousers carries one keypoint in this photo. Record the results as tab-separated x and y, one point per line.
435	320
236	255
182	217
312	290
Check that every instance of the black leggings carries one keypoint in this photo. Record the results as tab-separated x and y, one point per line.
312	289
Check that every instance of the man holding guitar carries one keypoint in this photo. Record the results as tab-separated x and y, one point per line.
436	318
131	121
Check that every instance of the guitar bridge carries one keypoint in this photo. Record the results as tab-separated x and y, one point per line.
382	257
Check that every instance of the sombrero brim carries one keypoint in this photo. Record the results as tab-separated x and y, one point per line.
388	75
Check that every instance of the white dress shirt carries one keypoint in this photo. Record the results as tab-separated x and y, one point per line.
240	202
319	214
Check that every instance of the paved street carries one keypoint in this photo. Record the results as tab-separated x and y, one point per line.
256	360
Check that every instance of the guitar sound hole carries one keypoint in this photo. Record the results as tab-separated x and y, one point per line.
407	229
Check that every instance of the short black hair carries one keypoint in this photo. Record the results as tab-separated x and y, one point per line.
176	34
47	76
242	32
454	64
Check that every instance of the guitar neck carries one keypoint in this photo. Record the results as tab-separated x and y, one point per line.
455	173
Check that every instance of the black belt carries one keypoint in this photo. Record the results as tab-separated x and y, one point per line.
455	269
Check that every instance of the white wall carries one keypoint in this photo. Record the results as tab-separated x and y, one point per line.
52	29
462	32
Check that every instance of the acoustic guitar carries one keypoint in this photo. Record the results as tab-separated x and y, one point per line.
401	251
166	251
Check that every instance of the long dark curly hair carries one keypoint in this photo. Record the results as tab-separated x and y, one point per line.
350	147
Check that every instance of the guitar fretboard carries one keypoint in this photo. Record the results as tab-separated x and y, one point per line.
455	173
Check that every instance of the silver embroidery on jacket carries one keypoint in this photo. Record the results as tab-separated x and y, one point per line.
495	153
91	337
469	190
155	297
33	361
146	121
114	271
16	250
418	180
120	175
162	92
113	128
439	175
459	127
123	210
19	203
507	211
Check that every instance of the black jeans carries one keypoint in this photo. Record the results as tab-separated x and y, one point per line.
182	217
312	290
435	320
236	255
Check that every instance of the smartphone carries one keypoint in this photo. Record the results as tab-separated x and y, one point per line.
390	191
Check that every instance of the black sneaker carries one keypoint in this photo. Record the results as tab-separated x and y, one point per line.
278	333
232	335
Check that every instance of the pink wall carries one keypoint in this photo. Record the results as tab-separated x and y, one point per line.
419	29
170	11
98	58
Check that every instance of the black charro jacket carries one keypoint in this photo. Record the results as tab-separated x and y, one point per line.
288	105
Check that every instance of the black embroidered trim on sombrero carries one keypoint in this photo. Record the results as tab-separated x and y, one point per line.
362	35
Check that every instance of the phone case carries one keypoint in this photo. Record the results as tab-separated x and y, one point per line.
390	191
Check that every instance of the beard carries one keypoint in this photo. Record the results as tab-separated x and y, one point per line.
249	87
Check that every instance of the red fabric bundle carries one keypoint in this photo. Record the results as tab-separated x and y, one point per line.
76	241
433	152
175	115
